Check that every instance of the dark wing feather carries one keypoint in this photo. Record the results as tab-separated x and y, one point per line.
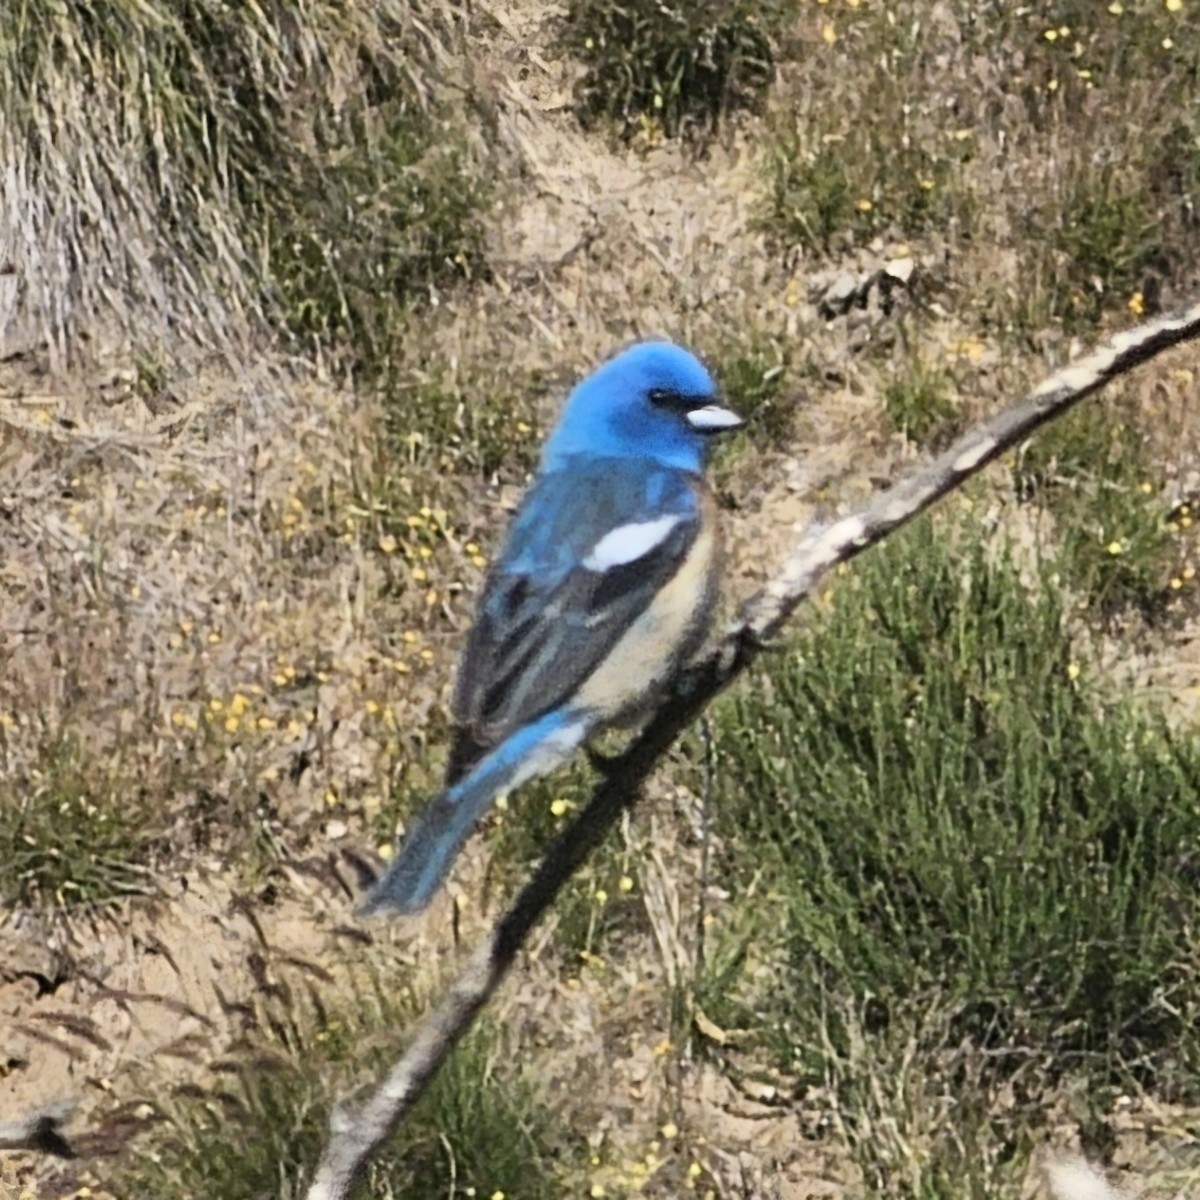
545	622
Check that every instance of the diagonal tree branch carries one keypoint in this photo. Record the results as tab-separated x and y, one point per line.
360	1125
820	549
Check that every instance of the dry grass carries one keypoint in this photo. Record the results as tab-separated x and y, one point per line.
1042	152
182	206
231	594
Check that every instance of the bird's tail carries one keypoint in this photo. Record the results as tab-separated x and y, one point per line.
431	845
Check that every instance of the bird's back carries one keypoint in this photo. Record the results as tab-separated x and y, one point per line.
549	615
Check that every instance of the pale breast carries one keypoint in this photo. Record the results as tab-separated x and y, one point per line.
661	637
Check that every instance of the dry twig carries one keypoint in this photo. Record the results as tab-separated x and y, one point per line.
360	1125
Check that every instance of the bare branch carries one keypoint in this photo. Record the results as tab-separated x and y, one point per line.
821	549
359	1126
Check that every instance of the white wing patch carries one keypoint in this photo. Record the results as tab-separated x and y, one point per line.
627	543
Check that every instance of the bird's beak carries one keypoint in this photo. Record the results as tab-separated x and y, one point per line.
712	418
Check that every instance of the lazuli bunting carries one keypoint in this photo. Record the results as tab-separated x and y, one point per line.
602	590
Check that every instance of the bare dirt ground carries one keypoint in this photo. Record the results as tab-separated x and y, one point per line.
149	570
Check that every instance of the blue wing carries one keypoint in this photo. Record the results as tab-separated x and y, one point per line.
545	620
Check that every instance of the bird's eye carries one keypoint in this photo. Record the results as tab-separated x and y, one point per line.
673	400
677	402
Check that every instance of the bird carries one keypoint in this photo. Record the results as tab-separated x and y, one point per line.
604	587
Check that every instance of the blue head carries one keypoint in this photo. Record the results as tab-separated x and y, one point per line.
653	401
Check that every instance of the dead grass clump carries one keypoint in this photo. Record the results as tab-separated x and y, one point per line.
185	169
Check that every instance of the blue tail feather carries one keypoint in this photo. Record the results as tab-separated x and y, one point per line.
432	843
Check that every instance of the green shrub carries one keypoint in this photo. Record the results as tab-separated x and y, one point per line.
383	211
72	834
830	189
1117	548
928	800
920	401
751	379
681	64
1102	239
479	1129
475	419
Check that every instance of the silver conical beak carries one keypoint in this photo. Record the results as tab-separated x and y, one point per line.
712	418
